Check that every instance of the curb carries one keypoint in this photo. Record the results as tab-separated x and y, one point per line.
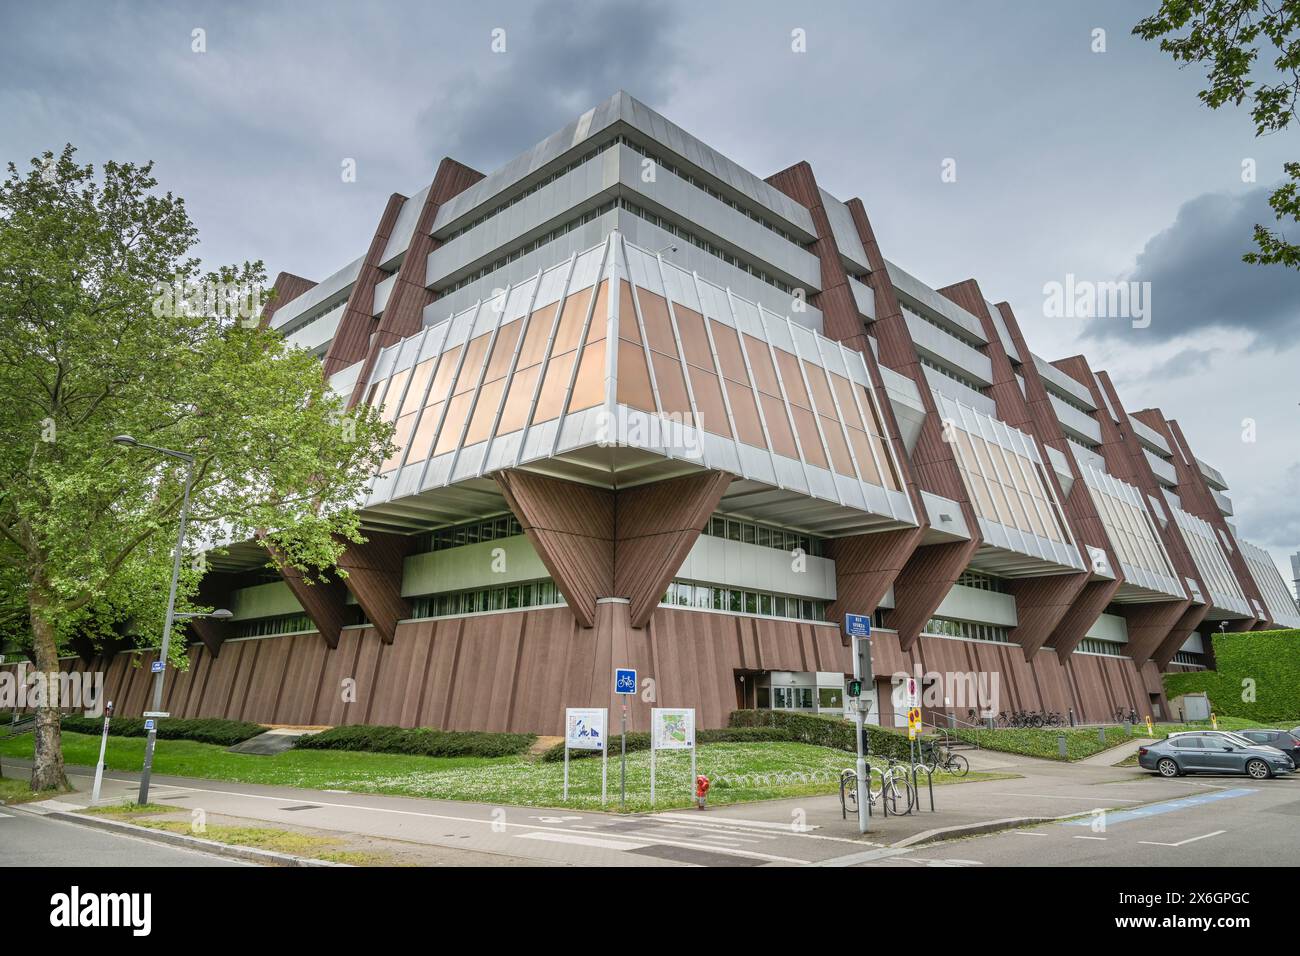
246	853
969	829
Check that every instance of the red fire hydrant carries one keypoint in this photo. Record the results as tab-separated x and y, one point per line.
701	790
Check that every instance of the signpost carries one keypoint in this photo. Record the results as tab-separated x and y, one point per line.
584	729
858	627
624	685
671	728
103	744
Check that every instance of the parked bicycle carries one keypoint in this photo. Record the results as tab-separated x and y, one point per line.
895	793
939	757
1131	716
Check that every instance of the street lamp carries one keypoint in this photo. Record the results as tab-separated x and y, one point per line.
152	739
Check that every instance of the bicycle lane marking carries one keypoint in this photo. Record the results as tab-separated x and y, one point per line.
1167	806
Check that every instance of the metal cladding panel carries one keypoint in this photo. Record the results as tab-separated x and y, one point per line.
548	368
1212	563
1277	597
1132	533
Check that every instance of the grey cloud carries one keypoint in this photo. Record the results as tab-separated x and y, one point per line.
1199	283
1179	365
567	57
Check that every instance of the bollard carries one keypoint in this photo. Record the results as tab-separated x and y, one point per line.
1128	728
1060	745
1071	716
952	721
1101	734
989	722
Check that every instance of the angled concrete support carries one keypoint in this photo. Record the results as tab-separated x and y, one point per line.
1093	599
374	576
865	566
1150	625
214	592
1041	603
325	602
654	529
922	585
1178	635
572	528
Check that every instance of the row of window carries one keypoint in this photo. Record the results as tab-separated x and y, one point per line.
944	370
765	536
490	529
982	581
1091	645
537	243
705	187
1190	658
294	623
716	251
963	337
540	184
708	597
969	630
542	593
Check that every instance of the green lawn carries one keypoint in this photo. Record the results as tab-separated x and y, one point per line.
15	787
738	771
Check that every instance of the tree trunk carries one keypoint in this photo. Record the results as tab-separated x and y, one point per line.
47	763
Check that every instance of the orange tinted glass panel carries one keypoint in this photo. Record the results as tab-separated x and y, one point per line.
848	407
415	392
708	401
633	379
422	443
792	378
518	400
503	350
442	381
658	329
695	343
485	412
554	385
821	391
778	426
475	353
809	441
401	436
393	397
760	363
539	329
457	409
672	387
589	386
868	409
729	357
571	322
862	450
840	459
628	328
748	427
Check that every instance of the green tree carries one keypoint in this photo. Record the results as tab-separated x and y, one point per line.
95	342
1228	38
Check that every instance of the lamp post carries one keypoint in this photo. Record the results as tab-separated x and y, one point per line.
159	676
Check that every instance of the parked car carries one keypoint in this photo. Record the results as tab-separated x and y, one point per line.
1283	740
1213	751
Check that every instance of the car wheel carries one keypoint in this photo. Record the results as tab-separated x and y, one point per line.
1257	769
1167	767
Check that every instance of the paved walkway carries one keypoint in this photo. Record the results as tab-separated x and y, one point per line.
794	832
1115	755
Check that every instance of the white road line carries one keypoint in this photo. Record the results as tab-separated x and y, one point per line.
1060	796
1205	836
4	816
701	835
867	856
1089	838
778	829
1028	833
579	839
726	821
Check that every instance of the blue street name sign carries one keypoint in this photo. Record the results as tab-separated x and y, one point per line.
857	625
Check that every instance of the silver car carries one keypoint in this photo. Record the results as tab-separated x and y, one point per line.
1213	751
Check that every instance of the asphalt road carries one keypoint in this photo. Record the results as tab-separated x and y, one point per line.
1231	822
27	839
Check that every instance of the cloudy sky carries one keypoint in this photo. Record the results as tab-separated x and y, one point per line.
1069	161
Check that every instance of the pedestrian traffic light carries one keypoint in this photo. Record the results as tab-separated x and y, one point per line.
855	688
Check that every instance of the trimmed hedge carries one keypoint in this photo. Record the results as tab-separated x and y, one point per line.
834	732
1269	658
421	741
223	733
639	740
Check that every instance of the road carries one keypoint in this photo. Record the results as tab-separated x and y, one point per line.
1231	822
27	839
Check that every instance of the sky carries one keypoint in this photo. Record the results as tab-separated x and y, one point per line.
1010	142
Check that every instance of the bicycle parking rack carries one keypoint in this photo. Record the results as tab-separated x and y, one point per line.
929	777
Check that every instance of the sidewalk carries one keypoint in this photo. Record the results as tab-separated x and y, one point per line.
799	831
